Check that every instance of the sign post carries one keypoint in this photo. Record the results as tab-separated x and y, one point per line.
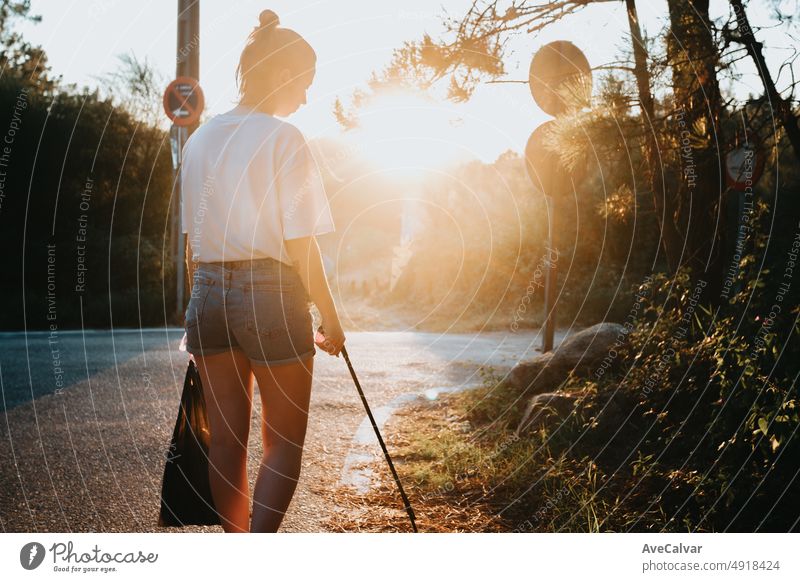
744	165
183	104
185	115
542	166
560	80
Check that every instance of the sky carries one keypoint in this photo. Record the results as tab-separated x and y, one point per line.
352	39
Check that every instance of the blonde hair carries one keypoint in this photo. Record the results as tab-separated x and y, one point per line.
270	47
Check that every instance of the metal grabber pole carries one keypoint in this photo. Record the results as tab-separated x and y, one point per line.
406	502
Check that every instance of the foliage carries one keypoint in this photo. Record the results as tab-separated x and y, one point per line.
696	430
85	195
137	86
22	63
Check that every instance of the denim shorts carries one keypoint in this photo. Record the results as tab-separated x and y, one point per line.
260	307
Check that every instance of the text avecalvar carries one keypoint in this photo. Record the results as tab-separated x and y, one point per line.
671	549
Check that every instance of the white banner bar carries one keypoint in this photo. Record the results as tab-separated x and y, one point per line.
407	557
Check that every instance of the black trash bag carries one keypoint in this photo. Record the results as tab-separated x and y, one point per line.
185	491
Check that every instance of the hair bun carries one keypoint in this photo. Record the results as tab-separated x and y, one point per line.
268	19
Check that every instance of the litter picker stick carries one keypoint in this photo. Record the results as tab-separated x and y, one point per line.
409	509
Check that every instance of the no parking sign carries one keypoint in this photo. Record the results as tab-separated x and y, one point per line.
184	101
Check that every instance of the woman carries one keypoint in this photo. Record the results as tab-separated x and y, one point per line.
252	204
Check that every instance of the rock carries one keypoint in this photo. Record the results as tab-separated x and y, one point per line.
582	354
536	375
544	407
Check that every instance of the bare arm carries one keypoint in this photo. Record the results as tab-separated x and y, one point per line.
305	255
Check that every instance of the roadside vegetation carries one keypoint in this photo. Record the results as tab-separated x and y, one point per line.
694	427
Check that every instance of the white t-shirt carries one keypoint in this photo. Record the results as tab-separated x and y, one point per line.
249	182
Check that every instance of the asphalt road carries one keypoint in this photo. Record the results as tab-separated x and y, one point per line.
87	418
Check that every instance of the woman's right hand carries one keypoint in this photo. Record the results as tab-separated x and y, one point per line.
330	337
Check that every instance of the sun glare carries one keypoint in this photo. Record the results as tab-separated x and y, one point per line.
407	135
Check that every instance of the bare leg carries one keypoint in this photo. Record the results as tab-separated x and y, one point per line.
228	390
285	393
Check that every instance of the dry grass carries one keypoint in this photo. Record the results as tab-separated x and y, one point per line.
465	508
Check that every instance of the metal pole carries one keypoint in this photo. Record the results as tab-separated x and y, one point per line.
187	64
562	187
179	243
551	277
406	503
188	54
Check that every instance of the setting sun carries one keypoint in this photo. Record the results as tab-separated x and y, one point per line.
406	134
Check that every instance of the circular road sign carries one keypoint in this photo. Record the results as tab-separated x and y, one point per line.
744	166
184	101
544	167
560	78
541	163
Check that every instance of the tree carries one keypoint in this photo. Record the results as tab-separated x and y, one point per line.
19	60
88	178
693	57
663	202
137	86
744	35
